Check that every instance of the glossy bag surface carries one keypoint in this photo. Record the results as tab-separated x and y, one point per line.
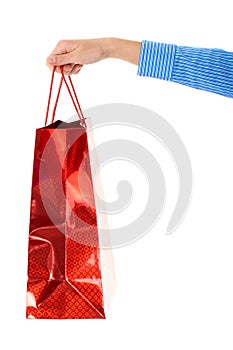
64	273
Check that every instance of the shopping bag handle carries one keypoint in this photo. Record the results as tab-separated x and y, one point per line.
74	99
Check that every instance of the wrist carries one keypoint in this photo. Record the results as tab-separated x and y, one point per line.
110	46
126	50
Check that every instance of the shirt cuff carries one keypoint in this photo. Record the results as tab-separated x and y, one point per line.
156	60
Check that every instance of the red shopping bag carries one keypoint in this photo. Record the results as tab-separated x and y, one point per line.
64	274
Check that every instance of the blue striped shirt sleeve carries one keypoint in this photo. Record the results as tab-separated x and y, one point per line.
200	68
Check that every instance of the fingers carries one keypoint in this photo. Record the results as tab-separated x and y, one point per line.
75	69
63	59
68	69
65	46
73	54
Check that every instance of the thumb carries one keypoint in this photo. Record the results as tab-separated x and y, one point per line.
61	60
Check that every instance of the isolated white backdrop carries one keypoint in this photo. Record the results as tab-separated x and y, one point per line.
172	291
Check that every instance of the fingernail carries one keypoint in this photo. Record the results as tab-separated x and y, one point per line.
51	59
76	70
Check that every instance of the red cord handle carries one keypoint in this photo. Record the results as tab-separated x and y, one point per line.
74	100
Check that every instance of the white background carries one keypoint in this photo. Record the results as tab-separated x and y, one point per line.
173	292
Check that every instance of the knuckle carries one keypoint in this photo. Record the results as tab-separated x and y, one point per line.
62	42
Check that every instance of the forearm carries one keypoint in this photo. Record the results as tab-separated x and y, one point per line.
126	50
205	69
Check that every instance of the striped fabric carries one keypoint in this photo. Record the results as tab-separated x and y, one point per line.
205	69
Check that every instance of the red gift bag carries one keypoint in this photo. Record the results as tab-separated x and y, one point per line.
64	270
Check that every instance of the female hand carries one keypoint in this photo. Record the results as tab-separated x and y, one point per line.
73	54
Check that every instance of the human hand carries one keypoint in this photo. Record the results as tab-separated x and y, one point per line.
73	54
